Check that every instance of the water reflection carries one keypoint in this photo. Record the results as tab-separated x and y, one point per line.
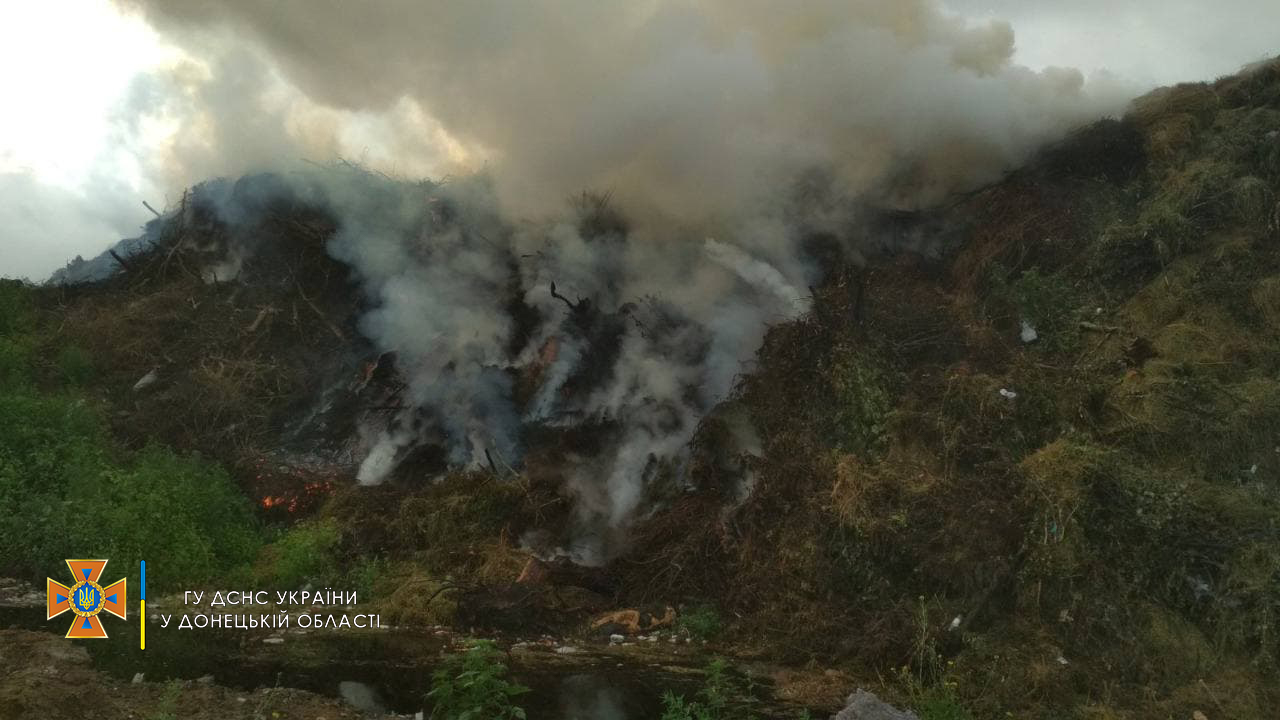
593	697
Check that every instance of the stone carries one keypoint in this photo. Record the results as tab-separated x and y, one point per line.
863	705
362	697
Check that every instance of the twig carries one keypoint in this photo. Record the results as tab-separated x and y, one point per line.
153	210
1095	327
319	313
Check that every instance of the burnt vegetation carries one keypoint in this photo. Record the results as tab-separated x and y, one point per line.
1087	519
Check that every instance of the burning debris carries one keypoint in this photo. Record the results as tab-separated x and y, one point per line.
481	336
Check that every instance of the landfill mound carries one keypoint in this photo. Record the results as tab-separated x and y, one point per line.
1036	466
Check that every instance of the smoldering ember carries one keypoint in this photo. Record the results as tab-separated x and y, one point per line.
598	360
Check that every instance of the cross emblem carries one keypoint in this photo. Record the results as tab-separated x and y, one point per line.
86	598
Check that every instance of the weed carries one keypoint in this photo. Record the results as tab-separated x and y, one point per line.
1046	303
168	706
303	554
713	700
700	622
473	686
862	403
75	365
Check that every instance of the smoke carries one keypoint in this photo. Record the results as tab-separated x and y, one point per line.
701	118
689	106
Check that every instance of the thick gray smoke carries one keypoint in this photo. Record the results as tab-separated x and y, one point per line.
699	117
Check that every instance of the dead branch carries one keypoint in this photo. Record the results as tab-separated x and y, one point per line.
320	313
127	267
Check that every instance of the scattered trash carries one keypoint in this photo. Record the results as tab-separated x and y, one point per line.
955	623
146	380
566	650
1008	394
616	639
204	680
138	678
1029	334
1063	661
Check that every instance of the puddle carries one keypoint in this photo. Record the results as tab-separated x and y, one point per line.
376	672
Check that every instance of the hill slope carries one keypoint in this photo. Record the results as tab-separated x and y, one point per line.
1039	473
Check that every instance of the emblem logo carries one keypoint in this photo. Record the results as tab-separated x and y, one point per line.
86	598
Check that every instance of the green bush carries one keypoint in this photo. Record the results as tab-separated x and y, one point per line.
473	686
862	401
701	622
68	491
304	554
15	307
712	701
75	366
1047	302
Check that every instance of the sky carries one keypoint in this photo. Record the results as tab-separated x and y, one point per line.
103	111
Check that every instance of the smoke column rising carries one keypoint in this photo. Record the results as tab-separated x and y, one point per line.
699	117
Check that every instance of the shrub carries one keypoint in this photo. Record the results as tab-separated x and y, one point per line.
473	686
69	496
712	701
1047	302
303	554
701	622
69	491
75	366
862	403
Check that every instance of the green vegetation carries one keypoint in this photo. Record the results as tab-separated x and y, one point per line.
713	701
167	709
862	402
70	491
721	697
930	681
700	622
473	686
305	553
1045	302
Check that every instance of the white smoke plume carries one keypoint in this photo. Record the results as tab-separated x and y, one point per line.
699	116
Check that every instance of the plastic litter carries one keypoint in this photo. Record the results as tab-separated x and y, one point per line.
146	380
1029	334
